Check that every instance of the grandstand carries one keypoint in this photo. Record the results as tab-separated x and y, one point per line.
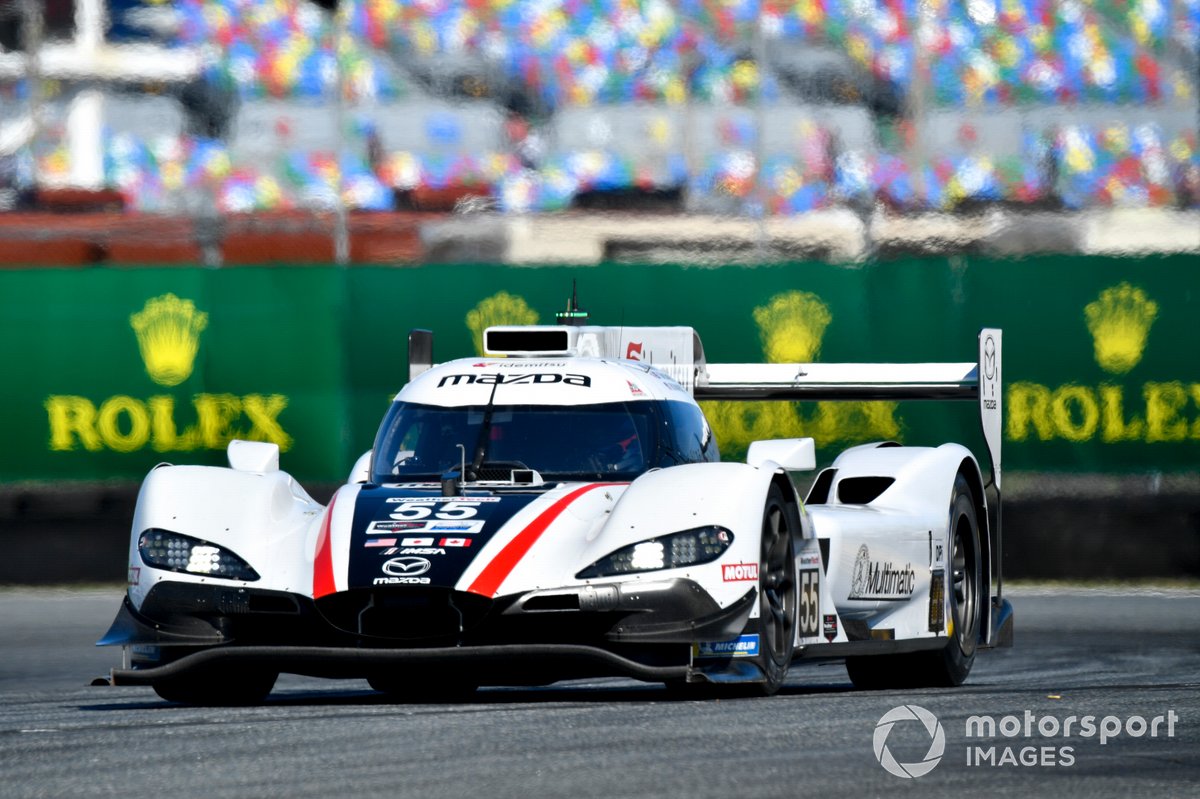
750	108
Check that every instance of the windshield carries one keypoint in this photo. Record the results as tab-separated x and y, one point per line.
611	441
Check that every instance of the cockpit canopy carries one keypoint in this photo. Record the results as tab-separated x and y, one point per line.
604	441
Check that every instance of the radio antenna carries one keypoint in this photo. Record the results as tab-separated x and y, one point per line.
574	315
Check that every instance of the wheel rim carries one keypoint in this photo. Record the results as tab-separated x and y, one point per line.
777	603
964	591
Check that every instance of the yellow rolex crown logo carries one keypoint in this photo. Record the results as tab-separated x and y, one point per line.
1119	321
501	308
791	326
168	333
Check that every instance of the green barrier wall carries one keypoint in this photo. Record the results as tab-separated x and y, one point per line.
109	371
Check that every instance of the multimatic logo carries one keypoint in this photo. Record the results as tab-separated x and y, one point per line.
492	378
874	580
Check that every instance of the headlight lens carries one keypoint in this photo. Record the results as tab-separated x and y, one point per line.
688	548
163	549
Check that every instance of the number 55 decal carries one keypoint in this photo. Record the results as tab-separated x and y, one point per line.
420	509
810	603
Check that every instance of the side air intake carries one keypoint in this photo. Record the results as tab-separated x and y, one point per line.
861	490
819	493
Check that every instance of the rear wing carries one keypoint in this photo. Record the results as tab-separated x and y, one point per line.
978	381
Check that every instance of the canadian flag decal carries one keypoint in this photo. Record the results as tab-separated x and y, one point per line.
634	351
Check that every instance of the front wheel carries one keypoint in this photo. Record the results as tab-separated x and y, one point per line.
776	625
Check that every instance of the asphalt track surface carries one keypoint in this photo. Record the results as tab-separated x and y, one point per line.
1078	653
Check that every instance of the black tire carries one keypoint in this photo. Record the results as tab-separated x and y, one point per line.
950	665
776	623
216	687
964	590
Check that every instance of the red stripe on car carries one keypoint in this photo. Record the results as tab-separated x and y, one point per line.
323	566
493	574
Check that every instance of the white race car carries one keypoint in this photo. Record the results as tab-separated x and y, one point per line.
560	511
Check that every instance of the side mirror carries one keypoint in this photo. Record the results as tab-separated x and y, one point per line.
793	454
361	473
420	352
253	456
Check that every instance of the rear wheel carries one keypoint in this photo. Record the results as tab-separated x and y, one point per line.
951	664
218	686
965	592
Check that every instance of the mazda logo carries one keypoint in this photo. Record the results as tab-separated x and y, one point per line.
406	567
989	358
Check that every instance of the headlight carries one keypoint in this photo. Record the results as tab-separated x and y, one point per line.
689	548
163	549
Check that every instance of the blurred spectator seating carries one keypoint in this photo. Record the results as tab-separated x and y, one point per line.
1028	102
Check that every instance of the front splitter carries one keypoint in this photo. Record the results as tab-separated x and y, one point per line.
349	662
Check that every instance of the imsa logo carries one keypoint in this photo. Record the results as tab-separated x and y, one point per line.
489	379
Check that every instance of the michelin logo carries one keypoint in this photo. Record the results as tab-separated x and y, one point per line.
745	646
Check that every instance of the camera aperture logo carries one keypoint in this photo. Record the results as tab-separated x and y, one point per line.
937	743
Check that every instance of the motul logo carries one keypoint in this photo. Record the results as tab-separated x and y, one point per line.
735	572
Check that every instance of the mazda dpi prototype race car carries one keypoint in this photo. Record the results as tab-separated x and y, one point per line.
559	510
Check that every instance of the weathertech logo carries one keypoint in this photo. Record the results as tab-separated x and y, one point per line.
736	572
